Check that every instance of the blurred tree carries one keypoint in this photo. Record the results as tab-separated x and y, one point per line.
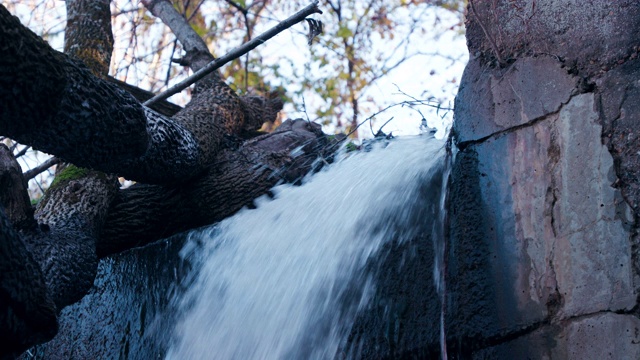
363	42
330	82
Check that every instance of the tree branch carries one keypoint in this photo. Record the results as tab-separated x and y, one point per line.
197	51
55	104
237	52
145	213
30	174
165	108
234	4
13	191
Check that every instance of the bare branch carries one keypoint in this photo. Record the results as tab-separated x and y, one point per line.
177	23
234	4
237	52
21	152
28	175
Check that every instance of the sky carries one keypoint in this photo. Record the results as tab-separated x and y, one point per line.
434	75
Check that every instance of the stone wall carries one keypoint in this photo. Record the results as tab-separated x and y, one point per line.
544	197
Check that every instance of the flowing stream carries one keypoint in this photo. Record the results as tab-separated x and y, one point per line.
286	280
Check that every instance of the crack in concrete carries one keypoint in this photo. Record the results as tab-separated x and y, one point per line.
532	328
464	144
605	138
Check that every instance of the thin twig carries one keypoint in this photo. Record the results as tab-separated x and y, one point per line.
304	107
237	52
383	125
371	128
173	51
21	152
403	103
234	4
30	174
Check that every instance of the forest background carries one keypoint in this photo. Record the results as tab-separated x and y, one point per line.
381	64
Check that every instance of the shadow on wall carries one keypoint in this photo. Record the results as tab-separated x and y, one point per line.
472	265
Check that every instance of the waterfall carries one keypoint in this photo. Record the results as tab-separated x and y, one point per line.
286	280
439	237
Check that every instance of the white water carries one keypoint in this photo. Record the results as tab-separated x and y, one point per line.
285	280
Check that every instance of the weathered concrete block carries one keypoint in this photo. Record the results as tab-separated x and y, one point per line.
529	89
549	236
590	36
601	336
592	254
553	235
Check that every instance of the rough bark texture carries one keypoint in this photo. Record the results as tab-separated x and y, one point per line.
542	259
144	213
46	95
28	314
88	34
76	108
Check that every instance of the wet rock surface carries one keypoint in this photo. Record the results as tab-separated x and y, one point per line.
516	96
402	318
128	313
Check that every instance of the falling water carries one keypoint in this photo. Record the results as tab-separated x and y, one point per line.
439	236
285	280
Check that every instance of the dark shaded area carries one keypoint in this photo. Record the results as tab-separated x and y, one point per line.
29	315
402	320
618	94
471	308
590	37
128	313
163	107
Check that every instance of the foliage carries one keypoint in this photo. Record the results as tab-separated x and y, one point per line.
364	43
339	80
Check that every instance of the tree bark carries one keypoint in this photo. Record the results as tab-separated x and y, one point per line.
144	213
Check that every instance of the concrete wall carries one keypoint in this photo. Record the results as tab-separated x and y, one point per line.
542	260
